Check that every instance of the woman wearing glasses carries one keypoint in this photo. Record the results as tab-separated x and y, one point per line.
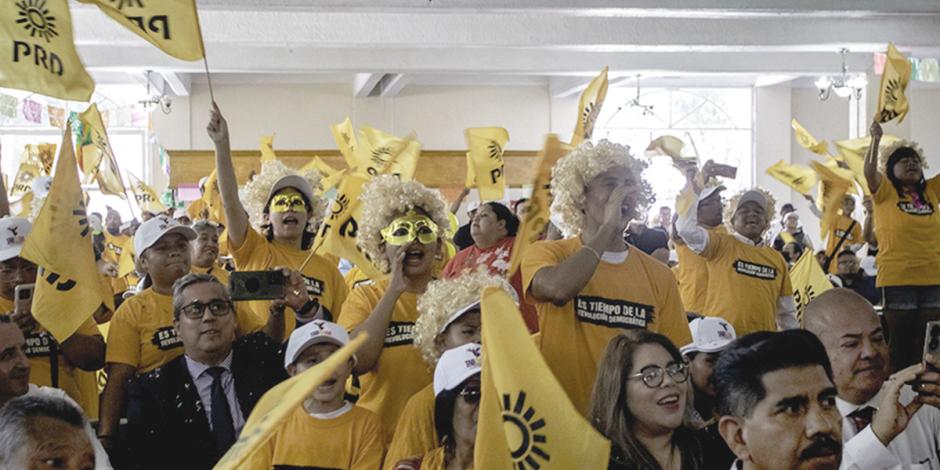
639	402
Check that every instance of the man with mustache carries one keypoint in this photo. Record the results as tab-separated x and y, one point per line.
900	429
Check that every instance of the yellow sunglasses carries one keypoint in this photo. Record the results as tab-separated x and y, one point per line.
410	227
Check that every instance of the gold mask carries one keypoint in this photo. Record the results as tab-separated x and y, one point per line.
288	200
410	227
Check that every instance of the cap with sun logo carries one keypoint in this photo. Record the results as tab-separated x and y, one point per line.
13	231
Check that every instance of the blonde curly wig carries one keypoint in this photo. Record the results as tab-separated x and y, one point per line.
254	194
572	173
885	151
386	197
442	299
732	206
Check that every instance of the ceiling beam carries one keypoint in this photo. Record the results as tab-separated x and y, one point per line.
392	84
364	84
179	83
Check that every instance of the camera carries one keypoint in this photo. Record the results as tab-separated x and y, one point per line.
932	339
257	285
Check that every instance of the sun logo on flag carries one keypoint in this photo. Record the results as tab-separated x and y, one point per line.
588	117
82	218
522	428
380	155
495	150
340	205
124	3
36	19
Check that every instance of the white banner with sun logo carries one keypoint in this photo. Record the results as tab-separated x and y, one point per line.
68	287
485	160
171	25
589	107
39	51
526	422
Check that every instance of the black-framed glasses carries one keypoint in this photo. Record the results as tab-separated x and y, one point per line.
196	310
653	375
470	395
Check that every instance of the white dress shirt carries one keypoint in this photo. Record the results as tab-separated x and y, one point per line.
917	447
199	372
101	457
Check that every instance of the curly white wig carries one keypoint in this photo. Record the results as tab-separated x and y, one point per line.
254	194
732	207
573	172
884	153
444	298
386	197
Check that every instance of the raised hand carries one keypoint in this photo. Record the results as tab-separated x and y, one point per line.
218	126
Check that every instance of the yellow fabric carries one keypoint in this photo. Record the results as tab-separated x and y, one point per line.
692	276
574	335
127	269
97	155
40	154
171	25
337	233
798	177
353	441
23	182
522	402
832	189
840	227
196	208
745	283
807	141
537	209
400	371
277	405
267	149
39	53
147	199
589	108
809	281
415	433
345	137
219	272
434	460
485	157
114	246
908	243
381	152
892	103
69	289
355	278
213	199
323	280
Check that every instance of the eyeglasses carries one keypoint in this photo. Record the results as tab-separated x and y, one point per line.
470	395
653	375
196	310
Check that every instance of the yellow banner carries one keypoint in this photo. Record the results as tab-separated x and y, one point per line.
280	402
23	182
126	258
853	154
807	141
525	418
589	107
337	233
798	177
345	137
832	189
97	155
380	152
537	213
267	149
471	180
68	287
147	199
808	281
330	176
38	50
486	160
892	103
171	25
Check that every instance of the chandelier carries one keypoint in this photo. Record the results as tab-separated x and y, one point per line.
844	85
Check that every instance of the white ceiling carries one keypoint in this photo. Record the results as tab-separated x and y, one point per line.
381	46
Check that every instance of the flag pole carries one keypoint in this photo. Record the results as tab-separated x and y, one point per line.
205	59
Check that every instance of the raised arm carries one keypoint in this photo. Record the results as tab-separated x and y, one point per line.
236	218
871	159
377	323
868	228
455	206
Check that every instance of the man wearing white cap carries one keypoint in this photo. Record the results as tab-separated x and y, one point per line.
326	431
692	271
181	216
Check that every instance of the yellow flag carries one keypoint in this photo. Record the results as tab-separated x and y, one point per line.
126	258
853	154
380	152
68	288
147	199
280	402
832	188
486	158
331	181
337	233
892	103
526	421
38	50
41	155
23	182
807	141
808	281
267	149
317	163
98	157
798	177
345	137
536	216
471	180
171	25
589	107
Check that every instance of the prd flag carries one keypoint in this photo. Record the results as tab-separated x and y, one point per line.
832	188
537	213
526	421
23	182
331	177
892	103
798	177
589	107
97	157
171	25
42	155
68	287
486	160
267	149
38	50
345	137
807	141
809	281
853	153
280	402
147	199
380	152
337	233
126	258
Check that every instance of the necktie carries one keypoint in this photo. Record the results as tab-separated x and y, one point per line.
862	417
223	426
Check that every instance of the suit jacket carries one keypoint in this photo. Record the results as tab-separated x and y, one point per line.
167	426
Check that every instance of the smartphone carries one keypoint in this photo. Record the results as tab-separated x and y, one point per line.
257	285
932	341
23	297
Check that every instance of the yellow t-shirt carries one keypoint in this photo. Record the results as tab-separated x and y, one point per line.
415	433
434	460
692	276
141	333
745	283
352	441
219	272
400	371
638	293
908	237
323	279
852	237
355	278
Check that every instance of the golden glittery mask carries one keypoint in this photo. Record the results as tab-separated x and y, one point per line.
288	200
409	227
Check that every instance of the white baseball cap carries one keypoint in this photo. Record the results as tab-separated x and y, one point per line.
13	231
709	334
708	191
178	213
752	195
151	231
456	366
315	332
292	181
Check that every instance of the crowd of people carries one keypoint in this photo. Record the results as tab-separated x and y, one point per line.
679	342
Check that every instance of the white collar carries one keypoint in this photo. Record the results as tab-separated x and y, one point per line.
744	239
346	408
846	408
615	257
197	368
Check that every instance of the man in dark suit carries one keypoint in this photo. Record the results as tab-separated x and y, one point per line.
186	414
